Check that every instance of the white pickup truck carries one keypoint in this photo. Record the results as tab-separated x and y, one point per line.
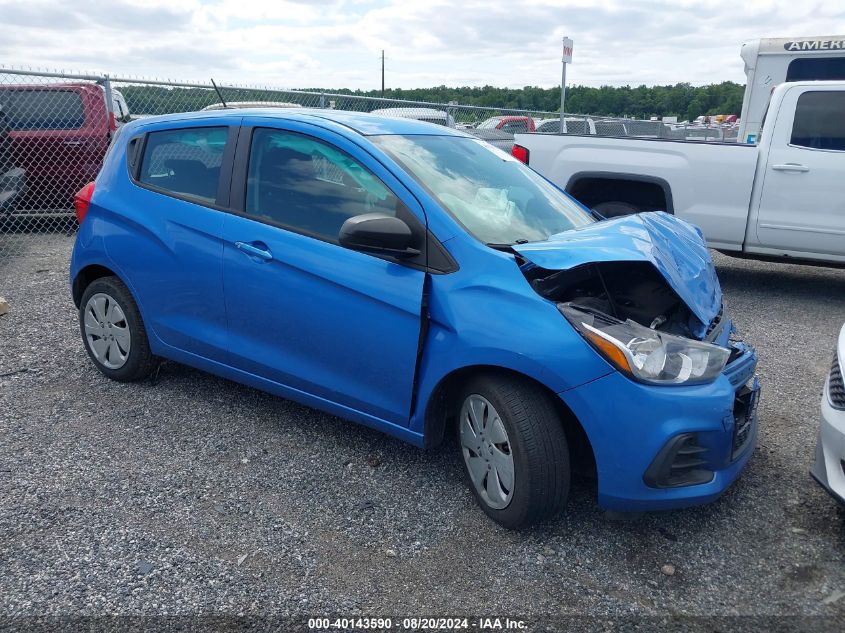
781	198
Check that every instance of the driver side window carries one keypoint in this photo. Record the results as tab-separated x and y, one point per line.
308	186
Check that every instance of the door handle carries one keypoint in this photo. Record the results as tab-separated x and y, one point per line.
263	254
73	143
790	167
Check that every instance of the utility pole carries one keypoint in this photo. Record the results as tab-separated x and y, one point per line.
382	72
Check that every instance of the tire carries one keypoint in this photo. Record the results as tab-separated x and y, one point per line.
615	208
534	439
113	332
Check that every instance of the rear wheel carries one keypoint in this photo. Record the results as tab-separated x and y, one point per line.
113	332
515	452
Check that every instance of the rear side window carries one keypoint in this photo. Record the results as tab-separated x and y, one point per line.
185	162
576	127
819	121
309	186
514	127
42	109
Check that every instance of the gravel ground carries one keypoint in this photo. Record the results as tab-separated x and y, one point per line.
198	495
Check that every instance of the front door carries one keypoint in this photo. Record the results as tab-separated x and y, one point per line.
302	310
802	204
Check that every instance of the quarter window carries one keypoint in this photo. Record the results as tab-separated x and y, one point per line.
185	162
309	186
819	122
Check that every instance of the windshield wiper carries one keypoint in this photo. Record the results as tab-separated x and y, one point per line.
507	248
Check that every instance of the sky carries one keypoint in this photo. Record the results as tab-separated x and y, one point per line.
338	43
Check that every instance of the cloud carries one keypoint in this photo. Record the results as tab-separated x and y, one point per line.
337	43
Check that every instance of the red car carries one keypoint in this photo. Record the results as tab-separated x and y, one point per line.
510	124
58	135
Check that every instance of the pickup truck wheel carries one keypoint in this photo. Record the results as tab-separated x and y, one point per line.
113	332
615	208
514	449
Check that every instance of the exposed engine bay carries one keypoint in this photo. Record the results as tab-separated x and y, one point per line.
623	290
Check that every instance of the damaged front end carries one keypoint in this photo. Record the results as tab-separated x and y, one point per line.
631	316
652	308
642	292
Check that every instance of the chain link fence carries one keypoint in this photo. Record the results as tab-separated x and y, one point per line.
55	128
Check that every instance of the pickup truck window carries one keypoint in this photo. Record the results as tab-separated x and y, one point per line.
819	122
494	196
43	109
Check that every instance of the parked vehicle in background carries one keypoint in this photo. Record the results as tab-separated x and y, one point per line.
571	125
784	198
58	134
496	138
508	123
231	105
829	466
428	115
772	61
12	177
407	276
647	129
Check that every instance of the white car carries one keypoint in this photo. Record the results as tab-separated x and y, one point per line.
429	115
230	105
829	467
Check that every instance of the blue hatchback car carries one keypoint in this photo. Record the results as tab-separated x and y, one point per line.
414	279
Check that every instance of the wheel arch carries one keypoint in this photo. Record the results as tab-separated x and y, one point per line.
88	275
579	179
441	406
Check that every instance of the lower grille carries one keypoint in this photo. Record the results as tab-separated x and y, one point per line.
680	463
745	412
836	387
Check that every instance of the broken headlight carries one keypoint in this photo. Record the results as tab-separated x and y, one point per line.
645	354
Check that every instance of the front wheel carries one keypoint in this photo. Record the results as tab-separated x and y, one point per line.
514	449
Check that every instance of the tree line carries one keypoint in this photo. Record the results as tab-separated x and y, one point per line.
681	100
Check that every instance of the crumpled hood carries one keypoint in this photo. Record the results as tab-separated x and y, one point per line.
676	248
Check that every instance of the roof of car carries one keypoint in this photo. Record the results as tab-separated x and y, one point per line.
507	118
363	123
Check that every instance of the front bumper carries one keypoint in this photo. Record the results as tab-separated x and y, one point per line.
629	424
829	466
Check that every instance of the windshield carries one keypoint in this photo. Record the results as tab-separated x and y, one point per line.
494	196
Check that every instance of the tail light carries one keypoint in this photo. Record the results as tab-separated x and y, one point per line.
82	201
520	153
112	122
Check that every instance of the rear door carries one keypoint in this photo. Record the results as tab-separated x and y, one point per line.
304	311
802	203
168	229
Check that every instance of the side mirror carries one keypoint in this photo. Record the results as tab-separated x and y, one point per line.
378	233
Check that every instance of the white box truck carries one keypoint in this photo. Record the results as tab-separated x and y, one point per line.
772	61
